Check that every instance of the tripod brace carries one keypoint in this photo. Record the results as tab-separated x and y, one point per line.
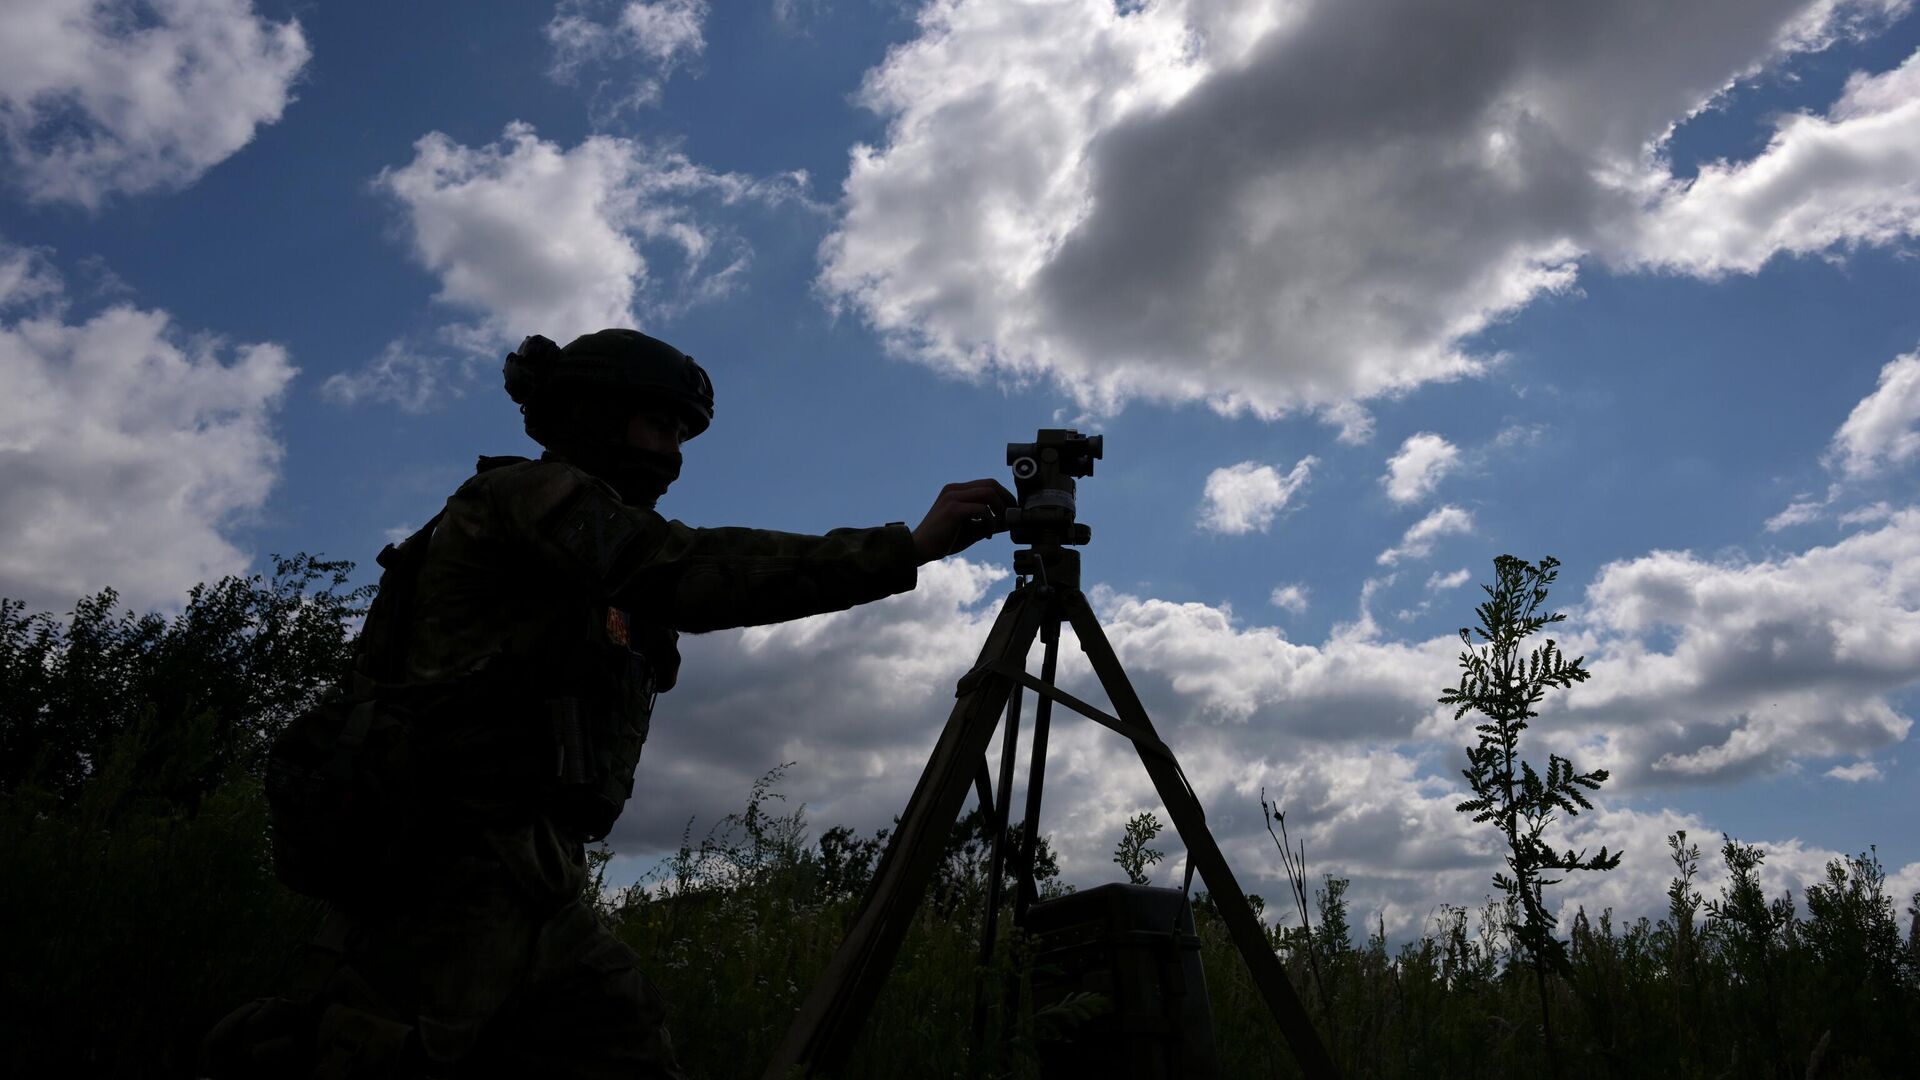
1047	594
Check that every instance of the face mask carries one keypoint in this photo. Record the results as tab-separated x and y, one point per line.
640	476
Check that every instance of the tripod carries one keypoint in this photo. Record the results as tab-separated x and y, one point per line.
1046	594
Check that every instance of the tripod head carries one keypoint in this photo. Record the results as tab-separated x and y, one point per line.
1043	474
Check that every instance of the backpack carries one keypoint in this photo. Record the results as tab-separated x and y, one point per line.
341	779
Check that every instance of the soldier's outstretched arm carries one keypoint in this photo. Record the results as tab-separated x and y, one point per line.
709	579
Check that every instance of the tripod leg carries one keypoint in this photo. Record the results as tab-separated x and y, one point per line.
823	1031
996	814
1036	775
1190	821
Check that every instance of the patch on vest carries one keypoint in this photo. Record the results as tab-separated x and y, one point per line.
617	628
594	531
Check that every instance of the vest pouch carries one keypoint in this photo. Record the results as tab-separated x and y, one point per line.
596	749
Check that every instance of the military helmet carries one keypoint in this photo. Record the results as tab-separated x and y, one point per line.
623	363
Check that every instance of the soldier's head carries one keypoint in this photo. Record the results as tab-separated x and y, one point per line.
617	402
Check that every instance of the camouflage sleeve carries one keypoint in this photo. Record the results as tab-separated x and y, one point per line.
698	580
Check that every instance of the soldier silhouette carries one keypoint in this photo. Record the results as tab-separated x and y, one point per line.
542	610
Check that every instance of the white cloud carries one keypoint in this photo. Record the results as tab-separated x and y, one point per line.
857	698
1849	178
1419	539
1353	422
790	13
662	34
527	237
1291	598
1436	583
400	376
128	448
1769	662
1867	515
1856	772
1883	430
1345	735
1244	498
1798	512
98	99
27	278
1416	470
1282	207
1514	435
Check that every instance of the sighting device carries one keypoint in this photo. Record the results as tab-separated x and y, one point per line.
1046	594
1043	474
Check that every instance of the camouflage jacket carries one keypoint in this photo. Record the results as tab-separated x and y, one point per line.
535	562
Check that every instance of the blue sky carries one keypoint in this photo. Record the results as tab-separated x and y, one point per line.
1357	307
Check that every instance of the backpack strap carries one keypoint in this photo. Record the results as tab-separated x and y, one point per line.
380	654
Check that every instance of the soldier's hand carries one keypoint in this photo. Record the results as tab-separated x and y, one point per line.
962	515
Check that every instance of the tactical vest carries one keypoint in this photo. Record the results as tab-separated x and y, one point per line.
354	780
598	716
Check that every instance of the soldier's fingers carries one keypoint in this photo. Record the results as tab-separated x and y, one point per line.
988	491
971	511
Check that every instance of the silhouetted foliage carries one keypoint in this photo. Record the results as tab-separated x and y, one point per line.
1497	683
183	700
1132	853
140	911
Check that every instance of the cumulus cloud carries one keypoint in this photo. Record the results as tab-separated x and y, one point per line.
661	35
1418	541
1867	515
99	97
1770	661
1856	772
1415	471
128	446
1245	498
1344	734
1880	434
28	279
529	237
401	376
1848	178
1798	512
536	238
1519	435
1883	430
1273	208
857	699
1437	583
1290	597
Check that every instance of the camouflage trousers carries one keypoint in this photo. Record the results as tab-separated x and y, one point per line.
465	982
